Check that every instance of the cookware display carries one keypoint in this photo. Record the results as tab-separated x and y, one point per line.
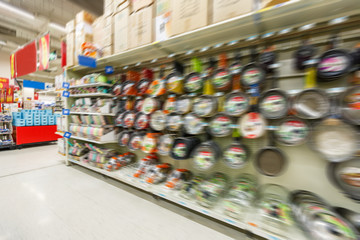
253	75
334	139
141	121
311	104
274	103
267	58
346	176
183	104
292	131
352	217
270	160
222	78
206	154
183	146
350	105
165	144
334	63
209	191
174	81
304	53
220	125
158	86
174	122
150	105
177	178
158	120
194	80
241	195
135	140
236	155
193	124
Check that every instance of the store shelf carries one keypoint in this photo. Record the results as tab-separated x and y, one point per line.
60	133
92	95
292	14
250	221
88	113
92	141
5	133
99	84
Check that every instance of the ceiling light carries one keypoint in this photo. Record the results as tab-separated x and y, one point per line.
57	27
16	10
2	42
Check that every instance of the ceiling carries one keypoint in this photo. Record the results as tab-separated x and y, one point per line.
16	30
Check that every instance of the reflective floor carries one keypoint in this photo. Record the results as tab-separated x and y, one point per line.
41	198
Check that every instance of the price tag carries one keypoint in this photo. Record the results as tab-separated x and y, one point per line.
189	52
338	20
66	112
272	128
162	195
251	38
182	203
230	221
266	35
233	42
67	135
66	94
66	85
126	67
171	55
154	60
285	31
218	45
109	69
204	211
137	64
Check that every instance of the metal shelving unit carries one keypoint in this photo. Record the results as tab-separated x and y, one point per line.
98	84
91	95
89	113
92	141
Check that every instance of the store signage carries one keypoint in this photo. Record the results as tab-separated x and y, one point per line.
33	84
66	112
12	65
87	61
109	69
63	54
66	94
4	83
26	60
67	135
44	52
2	95
10	95
36	96
66	85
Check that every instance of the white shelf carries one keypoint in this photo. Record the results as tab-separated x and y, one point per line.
92	95
250	221
92	141
98	84
294	14
60	133
88	113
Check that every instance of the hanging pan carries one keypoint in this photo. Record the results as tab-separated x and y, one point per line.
334	139
346	176
236	155
350	105
270	160
292	131
334	63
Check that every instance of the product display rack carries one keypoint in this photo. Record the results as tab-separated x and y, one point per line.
7	133
242	32
91	95
90	113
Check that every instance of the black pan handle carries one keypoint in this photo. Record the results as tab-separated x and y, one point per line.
271	137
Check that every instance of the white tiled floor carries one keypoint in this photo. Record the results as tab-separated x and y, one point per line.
42	199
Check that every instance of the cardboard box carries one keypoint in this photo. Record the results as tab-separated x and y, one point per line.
269	3
107	51
189	15
141	27
84	16
70	47
119	2
121	22
225	9
79	40
163	20
123	5
98	28
140	4
70	26
109	9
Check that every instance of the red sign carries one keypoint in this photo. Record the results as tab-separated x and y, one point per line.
25	60
10	95
63	54
2	95
36	96
4	83
44	52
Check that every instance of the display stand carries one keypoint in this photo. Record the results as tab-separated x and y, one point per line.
35	134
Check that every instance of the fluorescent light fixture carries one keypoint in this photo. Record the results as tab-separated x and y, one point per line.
57	27
16	10
2	42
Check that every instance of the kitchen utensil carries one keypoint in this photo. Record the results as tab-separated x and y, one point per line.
311	104
304	53
165	143
141	121
183	104
183	146
222	78
236	155
350	105
194	80
174	81
270	160
292	131
194	125
157	87
173	122
220	125
158	120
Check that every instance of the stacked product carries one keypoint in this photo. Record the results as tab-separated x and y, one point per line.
5	130
34	118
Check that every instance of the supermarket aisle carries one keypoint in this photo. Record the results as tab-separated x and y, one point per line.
60	202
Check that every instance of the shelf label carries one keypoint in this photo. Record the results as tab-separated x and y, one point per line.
67	135
229	221
66	85
204	211
87	61
285	31
338	20
233	42
109	69
218	45
171	55
137	64
270	34
307	27
182	203
204	49
66	112
252	38
162	195
189	52
66	94
154	60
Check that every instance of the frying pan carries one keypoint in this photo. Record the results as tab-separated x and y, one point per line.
194	81
292	131
351	216
311	103
267	58
273	104
193	124
334	63
206	154
304	53
350	105
157	120
222	78
174	81
252	74
270	161
346	176
334	139
236	155
220	125
183	146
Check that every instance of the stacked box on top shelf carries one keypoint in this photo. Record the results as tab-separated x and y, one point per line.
121	22
83	31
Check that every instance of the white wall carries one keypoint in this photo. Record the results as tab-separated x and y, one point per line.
5	64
